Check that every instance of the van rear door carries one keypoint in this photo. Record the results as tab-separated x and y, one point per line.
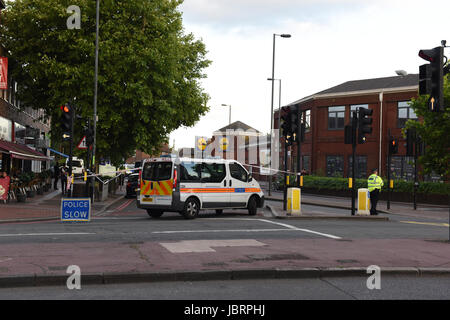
157	183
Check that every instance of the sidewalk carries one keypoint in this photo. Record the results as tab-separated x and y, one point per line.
47	207
399	208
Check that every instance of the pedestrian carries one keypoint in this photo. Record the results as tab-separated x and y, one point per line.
374	184
56	175
63	179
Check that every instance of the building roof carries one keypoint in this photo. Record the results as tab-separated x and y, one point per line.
407	82
235	126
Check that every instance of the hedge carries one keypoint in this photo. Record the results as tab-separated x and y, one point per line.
315	182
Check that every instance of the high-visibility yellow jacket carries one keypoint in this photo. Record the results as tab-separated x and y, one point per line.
374	182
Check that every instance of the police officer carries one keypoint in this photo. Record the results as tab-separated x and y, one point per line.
374	184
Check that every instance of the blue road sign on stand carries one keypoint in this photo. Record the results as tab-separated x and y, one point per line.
76	209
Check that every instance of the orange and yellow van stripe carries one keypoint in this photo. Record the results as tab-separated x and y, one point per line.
157	188
219	190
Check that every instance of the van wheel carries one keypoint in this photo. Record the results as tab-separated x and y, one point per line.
252	206
191	208
219	211
155	213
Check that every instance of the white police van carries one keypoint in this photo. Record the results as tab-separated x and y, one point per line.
188	185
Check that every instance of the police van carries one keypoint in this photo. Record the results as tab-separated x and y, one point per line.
188	185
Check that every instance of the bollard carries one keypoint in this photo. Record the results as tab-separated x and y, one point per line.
363	202
294	201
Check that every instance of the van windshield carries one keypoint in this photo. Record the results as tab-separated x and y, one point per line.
157	171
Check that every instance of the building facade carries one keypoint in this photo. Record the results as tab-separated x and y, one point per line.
326	113
24	133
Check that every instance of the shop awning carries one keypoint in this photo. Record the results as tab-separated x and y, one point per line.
21	151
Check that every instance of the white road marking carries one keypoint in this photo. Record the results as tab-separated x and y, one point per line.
301	229
206	245
287	226
218	230
44	234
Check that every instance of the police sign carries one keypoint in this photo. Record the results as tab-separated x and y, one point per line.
76	209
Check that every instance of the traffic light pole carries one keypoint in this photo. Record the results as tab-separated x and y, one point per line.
71	148
285	175
389	174
354	124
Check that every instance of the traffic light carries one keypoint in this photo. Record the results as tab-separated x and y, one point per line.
410	140
364	124
294	124
66	120
89	133
393	145
285	122
431	77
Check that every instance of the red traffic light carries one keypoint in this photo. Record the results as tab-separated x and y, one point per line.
65	109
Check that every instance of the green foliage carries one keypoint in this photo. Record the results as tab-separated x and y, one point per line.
433	128
149	69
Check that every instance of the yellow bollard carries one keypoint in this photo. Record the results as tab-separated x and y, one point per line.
350	183
363	202
294	201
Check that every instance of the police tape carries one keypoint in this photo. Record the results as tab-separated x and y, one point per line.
124	172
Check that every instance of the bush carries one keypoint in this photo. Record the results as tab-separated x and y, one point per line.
328	183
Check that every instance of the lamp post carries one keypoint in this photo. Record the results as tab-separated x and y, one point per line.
94	122
284	35
279	101
229	114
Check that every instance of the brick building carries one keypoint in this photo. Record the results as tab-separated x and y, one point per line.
327	112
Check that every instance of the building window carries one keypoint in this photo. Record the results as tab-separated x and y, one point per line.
336	117
307	120
306	164
361	167
405	112
335	166
355	107
402	168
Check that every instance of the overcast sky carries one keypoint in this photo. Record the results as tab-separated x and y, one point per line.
333	41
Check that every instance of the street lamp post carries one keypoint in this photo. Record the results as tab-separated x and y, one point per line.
279	101
271	106
94	122
229	114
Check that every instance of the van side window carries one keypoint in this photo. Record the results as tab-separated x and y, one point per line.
238	172
213	172
190	172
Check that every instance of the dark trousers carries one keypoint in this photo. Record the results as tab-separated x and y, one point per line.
55	184
373	200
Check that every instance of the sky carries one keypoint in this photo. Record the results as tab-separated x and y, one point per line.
332	41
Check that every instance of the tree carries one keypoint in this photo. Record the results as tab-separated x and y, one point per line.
149	69
433	128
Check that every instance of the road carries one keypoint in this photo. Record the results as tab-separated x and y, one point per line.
125	222
125	239
342	288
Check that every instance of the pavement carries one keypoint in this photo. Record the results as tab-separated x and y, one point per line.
102	262
47	207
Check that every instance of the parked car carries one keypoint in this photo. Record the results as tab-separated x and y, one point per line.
132	185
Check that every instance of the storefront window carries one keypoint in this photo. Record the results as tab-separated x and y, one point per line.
5	129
